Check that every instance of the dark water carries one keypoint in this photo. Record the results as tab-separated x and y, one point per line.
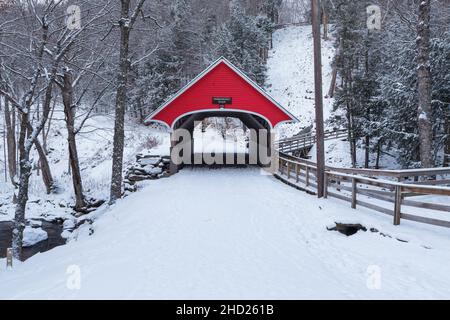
53	229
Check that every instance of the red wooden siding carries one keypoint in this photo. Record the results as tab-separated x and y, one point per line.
221	81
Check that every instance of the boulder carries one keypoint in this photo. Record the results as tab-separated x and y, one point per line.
136	178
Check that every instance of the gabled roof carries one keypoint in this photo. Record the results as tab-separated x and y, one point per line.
208	70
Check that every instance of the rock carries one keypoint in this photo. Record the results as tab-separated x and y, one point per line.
69	224
148	160
35	223
66	234
165	160
347	229
153	171
138	171
134	177
165	174
31	236
130	188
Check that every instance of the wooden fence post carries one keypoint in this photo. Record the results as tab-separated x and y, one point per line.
398	205
354	192
307	176
9	258
297	173
288	170
325	186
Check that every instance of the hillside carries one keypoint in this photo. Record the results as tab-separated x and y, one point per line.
291	75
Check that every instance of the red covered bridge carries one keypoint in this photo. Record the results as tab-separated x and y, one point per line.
221	90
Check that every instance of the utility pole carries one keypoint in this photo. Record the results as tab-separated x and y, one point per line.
315	10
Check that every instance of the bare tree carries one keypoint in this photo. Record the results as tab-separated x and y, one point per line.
52	33
126	23
10	123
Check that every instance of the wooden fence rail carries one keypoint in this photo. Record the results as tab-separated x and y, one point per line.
305	141
347	184
432	176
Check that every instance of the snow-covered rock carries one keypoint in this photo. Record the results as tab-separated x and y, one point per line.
146	167
152	160
31	236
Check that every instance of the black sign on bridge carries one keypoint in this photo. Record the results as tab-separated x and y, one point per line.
221	101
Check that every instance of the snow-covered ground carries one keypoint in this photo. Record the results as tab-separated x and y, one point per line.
212	141
95	149
291	75
237	234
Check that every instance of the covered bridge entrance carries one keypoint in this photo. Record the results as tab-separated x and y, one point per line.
221	90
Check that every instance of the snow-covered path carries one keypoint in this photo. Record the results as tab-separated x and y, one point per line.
234	233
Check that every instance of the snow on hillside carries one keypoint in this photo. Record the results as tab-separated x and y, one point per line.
291	82
291	75
94	144
236	234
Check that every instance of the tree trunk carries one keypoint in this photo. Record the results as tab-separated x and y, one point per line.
367	152
121	99
447	140
333	83
22	135
126	23
22	198
11	141
45	167
424	85
325	23
377	163
67	96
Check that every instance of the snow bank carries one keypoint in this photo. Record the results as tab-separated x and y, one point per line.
236	234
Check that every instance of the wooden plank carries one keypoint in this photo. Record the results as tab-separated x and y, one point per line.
339	196
398	205
368	193
361	203
289	170
354	192
9	258
427	190
427	205
430	182
291	184
434	222
375	207
307	176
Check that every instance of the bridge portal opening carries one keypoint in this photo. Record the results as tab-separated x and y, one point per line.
224	138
